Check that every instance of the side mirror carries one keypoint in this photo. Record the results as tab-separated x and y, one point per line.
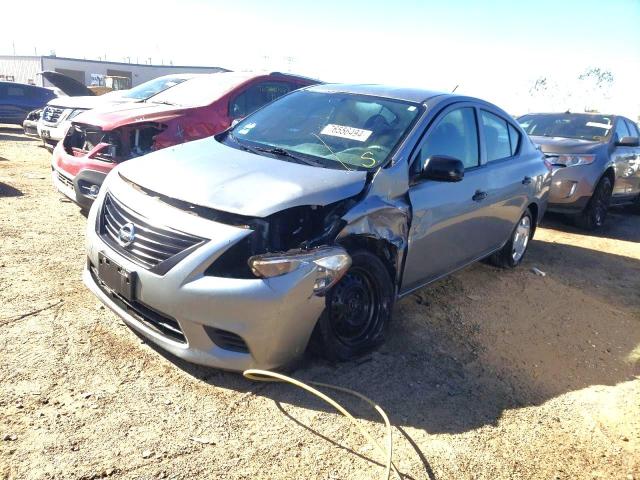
443	169
628	142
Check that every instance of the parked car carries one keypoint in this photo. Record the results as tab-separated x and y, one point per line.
30	124
308	219
596	162
18	99
57	115
102	138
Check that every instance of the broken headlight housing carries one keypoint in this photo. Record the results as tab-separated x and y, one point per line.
330	264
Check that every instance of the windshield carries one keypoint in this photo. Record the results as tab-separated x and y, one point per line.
199	91
152	87
337	130
568	125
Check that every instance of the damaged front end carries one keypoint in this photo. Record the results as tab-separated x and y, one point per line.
112	146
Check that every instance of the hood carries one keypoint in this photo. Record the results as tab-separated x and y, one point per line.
85	102
68	85
565	145
110	116
209	174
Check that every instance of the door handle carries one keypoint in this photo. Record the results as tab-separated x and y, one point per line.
479	196
527	180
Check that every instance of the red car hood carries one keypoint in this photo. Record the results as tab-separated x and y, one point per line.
108	118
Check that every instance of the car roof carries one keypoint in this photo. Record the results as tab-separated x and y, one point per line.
587	114
415	95
2	82
248	75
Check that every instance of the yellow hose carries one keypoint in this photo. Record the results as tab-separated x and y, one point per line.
267	376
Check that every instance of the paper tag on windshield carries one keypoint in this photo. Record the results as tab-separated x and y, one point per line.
346	132
606	126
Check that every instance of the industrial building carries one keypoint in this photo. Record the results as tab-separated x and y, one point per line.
25	69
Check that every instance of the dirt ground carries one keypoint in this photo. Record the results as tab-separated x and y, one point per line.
488	374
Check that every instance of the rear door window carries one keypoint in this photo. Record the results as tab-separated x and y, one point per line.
455	135
496	136
633	129
621	129
256	96
514	138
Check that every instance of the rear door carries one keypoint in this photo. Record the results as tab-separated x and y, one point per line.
447	226
509	178
634	165
13	103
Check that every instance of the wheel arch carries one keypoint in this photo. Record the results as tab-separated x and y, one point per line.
535	212
383	249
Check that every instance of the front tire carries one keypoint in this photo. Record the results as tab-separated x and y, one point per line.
358	310
511	255
595	213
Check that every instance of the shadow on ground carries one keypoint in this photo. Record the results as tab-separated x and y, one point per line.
621	224
440	370
9	191
14	133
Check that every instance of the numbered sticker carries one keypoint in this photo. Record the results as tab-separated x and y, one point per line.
350	133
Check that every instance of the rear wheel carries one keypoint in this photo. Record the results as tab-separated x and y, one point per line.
595	213
513	252
358	310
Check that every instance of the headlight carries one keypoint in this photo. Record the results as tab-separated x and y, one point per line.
330	263
571	160
74	113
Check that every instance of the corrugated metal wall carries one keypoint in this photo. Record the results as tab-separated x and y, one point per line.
23	69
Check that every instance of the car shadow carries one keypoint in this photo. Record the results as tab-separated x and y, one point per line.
9	191
619	225
17	137
460	352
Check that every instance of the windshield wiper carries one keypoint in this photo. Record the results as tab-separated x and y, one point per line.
163	102
281	152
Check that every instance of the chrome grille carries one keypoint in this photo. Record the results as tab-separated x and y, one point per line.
51	114
151	245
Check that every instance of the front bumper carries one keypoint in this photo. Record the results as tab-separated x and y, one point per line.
74	176
51	133
572	187
273	317
30	128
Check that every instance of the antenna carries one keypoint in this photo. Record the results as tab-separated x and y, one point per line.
455	88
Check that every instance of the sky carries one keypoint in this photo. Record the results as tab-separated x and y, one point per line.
492	49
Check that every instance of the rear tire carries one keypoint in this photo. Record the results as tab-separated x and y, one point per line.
595	213
358	310
511	255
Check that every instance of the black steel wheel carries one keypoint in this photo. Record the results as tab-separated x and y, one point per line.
358	309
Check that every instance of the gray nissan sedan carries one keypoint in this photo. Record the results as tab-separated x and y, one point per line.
302	224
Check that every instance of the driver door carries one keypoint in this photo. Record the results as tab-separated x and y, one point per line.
447	226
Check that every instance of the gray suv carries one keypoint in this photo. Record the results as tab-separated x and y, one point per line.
596	162
304	222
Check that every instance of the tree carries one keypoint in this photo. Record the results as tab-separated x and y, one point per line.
595	86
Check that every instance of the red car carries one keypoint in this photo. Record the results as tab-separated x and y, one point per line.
99	139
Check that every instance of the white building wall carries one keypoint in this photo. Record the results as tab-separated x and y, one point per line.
139	73
23	69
